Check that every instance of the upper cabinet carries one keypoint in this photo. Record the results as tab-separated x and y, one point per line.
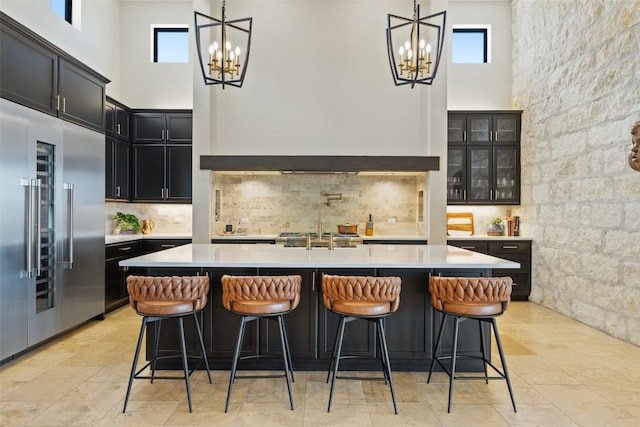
35	73
161	156
162	127
483	165
117	119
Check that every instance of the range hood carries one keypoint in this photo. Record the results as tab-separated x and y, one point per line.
320	164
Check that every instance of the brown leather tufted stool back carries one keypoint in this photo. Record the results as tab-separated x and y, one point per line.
478	298
360	297
256	297
161	298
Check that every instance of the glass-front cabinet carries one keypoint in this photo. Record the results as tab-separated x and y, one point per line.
483	165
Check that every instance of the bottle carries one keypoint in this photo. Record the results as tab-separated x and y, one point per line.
369	227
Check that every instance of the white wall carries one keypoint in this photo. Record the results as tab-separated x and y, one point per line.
482	86
146	84
318	82
96	43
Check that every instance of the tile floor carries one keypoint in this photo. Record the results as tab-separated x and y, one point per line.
563	372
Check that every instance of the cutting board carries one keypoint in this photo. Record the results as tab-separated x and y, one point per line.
459	224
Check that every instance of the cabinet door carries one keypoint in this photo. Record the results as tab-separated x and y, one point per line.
109	168
506	175
479	182
178	173
148	172
408	329
109	118
506	128
82	96
479	128
300	323
359	337
179	128
28	71
149	128
121	170
456	174
121	126
457	128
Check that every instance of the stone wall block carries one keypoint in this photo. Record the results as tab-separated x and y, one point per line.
588	240
597	266
607	215
622	244
632	217
589	313
551	214
627	186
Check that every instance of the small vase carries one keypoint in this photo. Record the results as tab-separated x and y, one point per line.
495	230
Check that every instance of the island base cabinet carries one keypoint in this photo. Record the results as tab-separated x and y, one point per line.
410	332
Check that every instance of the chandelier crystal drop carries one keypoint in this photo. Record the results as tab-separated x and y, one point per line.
218	42
412	40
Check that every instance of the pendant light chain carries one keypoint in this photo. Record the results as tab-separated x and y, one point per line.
415	10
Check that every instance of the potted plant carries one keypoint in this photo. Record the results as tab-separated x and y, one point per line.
126	223
495	227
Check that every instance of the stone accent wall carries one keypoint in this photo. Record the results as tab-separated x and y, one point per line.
576	71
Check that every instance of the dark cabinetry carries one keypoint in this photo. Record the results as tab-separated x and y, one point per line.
162	156
116	293
117	119
162	127
514	250
118	151
35	73
117	155
115	277
483	165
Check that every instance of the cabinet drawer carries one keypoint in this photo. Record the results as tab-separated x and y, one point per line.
509	246
470	245
123	250
155	245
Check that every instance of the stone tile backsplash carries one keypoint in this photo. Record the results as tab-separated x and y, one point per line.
168	218
277	203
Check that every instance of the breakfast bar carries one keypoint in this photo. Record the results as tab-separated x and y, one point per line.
311	328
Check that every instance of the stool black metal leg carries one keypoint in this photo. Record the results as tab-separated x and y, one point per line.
333	352
437	347
135	363
202	350
484	351
185	365
336	358
156	343
378	333
387	364
285	358
456	321
286	342
503	361
236	356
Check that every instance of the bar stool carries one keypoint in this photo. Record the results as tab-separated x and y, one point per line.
361	297
161	298
462	298
254	298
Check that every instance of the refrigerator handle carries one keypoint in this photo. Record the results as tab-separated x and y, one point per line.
26	273
68	264
37	183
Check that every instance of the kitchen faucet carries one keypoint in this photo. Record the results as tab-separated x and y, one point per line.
327	202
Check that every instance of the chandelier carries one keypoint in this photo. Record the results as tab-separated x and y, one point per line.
412	40
218	41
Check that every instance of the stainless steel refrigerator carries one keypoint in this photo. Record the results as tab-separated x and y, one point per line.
51	226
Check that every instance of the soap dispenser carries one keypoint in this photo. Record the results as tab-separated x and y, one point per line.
369	227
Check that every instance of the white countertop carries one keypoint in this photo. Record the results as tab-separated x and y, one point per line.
379	256
486	237
120	238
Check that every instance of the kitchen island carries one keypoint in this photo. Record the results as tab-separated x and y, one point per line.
410	331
